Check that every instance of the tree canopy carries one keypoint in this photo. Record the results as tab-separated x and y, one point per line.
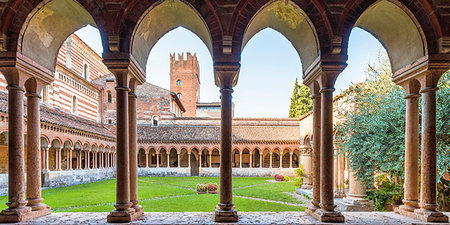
301	102
373	133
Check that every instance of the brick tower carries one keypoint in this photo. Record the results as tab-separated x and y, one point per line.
185	81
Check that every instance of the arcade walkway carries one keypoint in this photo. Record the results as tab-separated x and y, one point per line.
244	218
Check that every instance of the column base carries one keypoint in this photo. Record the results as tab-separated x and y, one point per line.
328	216
423	215
311	210
225	215
123	216
138	211
352	204
339	195
15	215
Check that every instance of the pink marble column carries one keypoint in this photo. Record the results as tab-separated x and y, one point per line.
33	152
132	116
16	160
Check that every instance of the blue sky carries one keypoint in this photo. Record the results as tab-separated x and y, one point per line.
269	66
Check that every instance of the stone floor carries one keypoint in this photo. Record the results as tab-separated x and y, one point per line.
244	218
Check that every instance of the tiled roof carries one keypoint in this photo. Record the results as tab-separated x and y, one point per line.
148	133
58	117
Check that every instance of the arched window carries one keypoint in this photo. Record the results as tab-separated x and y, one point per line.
109	97
74	105
155	120
179	95
178	82
85	71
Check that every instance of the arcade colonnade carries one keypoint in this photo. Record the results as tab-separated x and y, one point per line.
414	33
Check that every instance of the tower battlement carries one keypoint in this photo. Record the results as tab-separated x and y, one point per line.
185	80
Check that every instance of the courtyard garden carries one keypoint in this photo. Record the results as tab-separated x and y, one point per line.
176	194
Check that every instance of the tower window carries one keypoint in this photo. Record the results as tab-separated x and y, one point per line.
109	97
74	105
178	82
179	95
155	121
85	71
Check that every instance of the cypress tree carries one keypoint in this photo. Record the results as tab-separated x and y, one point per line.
294	101
301	102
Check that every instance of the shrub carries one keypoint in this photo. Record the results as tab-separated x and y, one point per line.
278	177
300	171
298	182
212	187
387	194
202	187
286	178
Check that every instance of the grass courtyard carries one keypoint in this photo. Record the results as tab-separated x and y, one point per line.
174	194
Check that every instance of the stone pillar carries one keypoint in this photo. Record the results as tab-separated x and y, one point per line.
281	159
270	163
200	159
189	160
290	159
168	159
260	160
59	158
69	159
146	159
251	160
341	189
157	160
427	211
133	151
336	172
16	160
123	212
88	159
355	200
411	194
33	151
210	160
45	158
240	159
315	203
307	166
179	162
225	209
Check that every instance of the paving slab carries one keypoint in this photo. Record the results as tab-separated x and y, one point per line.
244	218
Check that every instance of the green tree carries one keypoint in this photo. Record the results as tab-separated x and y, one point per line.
301	102
373	133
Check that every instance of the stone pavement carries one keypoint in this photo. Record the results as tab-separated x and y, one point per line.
244	218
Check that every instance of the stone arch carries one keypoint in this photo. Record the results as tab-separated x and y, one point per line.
276	158
398	31
44	141
298	28
307	141
46	28
141	157
184	158
215	158
161	18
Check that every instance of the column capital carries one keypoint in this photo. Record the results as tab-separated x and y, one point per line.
325	70
124	67
226	74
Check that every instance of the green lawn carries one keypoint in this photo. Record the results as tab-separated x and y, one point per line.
172	194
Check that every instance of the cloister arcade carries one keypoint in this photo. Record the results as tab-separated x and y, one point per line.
415	34
181	158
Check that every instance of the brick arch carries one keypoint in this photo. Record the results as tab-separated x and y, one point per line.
22	19
145	16
314	10
47	139
61	143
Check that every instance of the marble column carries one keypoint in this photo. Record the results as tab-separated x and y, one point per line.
69	159
281	159
200	159
315	203
270	163
210	160
251	160
225	209
157	160
290	159
168	159
427	211
179	162
59	158
16	160
33	153
240	159
133	151
146	159
189	160
45	158
355	200
307	166
123	212
260	161
411	194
